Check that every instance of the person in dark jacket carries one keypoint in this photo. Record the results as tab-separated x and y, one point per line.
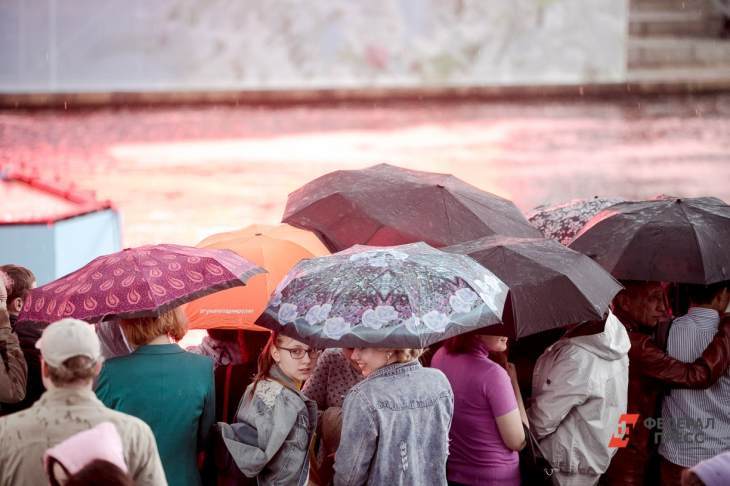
13	370
640	308
22	280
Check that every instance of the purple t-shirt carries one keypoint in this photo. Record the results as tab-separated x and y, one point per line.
482	391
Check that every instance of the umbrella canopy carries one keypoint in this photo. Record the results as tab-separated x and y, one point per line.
563	221
386	205
304	238
408	296
137	282
239	307
549	285
669	240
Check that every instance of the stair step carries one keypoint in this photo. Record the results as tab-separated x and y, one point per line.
677	51
719	76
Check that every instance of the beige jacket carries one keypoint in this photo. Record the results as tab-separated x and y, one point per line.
59	413
13	369
579	388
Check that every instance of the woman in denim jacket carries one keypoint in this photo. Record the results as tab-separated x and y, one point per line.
275	422
395	427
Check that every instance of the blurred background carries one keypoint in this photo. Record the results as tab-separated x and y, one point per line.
167	121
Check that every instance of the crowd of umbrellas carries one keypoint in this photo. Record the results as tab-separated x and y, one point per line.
395	258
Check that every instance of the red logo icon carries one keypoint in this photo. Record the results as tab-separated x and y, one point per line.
625	423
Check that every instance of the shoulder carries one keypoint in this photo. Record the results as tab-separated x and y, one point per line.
12	425
565	354
432	375
267	391
128	425
439	357
197	361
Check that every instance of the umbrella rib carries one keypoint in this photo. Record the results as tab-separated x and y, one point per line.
446	211
139	269
697	242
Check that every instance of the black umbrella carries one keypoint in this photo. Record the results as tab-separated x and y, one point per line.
385	205
549	285
667	240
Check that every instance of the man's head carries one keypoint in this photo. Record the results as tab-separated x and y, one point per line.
644	302
715	296
71	354
21	281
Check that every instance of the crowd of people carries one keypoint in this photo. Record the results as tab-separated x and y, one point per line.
624	400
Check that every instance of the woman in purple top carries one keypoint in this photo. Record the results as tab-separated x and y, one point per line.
486	431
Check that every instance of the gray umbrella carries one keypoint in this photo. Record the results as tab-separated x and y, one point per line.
407	296
669	240
549	285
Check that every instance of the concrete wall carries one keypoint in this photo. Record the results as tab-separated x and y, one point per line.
173	45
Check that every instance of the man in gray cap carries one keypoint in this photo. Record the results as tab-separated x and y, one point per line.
71	359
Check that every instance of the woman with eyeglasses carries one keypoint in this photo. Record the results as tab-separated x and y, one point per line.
275	422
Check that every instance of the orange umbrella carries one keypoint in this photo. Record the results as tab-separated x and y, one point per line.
277	248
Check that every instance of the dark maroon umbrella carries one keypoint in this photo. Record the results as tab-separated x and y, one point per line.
549	285
386	205
669	240
137	282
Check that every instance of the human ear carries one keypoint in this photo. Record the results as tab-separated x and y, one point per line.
275	355
16	305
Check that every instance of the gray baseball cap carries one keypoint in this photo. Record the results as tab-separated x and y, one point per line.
67	338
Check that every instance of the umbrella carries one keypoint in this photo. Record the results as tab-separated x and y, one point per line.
563	221
668	240
549	285
306	239
407	296
239	307
137	282
386	205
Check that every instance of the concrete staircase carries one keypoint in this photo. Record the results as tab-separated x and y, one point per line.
677	41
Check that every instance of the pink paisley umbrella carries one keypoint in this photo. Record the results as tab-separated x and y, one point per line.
137	282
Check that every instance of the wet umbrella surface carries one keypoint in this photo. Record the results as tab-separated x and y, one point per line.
549	285
388	205
137	282
408	296
669	240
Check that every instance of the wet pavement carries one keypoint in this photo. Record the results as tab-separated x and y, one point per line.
180	174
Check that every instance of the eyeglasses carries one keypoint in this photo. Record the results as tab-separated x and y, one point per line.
298	353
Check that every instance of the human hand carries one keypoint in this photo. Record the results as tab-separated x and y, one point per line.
4	284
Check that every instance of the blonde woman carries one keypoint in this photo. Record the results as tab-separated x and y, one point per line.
395	426
170	389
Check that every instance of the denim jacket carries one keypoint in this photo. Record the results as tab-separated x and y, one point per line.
271	436
395	428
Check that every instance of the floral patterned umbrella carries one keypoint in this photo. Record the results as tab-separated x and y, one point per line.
407	296
137	282
563	221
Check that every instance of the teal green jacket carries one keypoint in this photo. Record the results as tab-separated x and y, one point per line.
173	391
